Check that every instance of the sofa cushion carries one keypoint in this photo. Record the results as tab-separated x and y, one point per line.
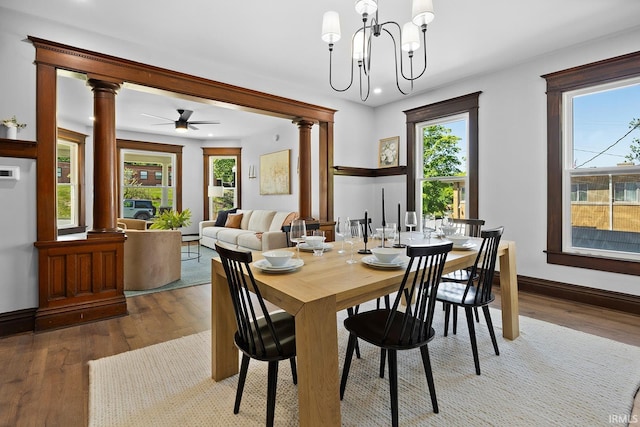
247	213
211	231
250	241
260	220
233	220
221	219
230	235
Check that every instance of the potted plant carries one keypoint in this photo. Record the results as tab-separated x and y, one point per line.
12	126
171	220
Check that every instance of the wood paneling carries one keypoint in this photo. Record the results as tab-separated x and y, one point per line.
18	148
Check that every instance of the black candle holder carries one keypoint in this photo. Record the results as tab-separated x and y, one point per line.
399	244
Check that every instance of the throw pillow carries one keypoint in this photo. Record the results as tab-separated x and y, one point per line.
233	220
221	219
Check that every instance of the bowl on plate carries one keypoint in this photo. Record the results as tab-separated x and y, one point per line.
277	258
385	255
458	239
314	242
448	230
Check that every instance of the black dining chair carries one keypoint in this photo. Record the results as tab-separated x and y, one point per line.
476	292
393	329
309	226
260	335
468	227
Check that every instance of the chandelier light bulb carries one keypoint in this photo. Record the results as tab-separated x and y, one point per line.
410	37
422	12
366	6
331	27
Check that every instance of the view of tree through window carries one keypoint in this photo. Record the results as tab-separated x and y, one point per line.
602	175
444	168
223	182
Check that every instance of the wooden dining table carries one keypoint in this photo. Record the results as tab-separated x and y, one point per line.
314	294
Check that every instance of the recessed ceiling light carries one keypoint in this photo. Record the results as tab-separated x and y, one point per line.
210	134
377	90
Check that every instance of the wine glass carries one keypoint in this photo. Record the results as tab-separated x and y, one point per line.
340	233
298	233
351	236
410	220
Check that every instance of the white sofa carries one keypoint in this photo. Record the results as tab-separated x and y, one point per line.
260	230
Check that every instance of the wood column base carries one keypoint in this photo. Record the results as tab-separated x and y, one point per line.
52	318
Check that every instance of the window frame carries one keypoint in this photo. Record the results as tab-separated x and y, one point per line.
79	139
463	104
589	75
207	153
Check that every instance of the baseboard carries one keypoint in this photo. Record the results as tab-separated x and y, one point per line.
17	322
59	317
598	297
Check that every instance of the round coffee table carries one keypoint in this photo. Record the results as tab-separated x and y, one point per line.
189	239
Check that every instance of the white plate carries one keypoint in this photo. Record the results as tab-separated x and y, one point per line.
372	261
467	246
291	265
306	248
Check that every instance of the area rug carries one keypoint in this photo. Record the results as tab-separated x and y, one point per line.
551	375
193	272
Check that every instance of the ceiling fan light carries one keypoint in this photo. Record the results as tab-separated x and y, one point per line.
366	6
331	27
181	127
410	37
422	12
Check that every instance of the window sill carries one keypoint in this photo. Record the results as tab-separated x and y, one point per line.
594	263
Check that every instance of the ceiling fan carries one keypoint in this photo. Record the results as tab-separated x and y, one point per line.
183	123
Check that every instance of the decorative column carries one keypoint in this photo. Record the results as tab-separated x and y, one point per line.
105	181
304	169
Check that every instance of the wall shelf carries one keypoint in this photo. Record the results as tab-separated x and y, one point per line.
369	172
18	148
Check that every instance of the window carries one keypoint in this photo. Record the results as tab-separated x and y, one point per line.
222	167
136	160
442	155
593	125
70	212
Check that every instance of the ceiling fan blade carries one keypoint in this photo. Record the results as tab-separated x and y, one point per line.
160	124
184	115
206	123
157	117
192	127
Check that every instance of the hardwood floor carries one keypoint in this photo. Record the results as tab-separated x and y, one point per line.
45	376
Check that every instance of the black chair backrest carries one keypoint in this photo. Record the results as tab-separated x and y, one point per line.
469	226
309	226
362	223
419	287
485	265
241	285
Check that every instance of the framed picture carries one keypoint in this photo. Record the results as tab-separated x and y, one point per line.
274	173
388	152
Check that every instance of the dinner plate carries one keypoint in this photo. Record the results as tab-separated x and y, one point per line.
467	246
292	265
306	248
372	261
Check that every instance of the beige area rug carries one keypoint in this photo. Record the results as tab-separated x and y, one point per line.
550	376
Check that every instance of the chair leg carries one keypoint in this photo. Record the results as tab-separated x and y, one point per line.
472	335
271	392
477	316
426	362
447	312
383	358
347	363
393	385
487	317
294	370
455	319
350	312
244	367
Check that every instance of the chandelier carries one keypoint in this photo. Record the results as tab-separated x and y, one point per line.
361	42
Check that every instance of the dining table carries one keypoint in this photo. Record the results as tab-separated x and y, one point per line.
314	293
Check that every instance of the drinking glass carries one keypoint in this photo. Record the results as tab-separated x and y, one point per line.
428	225
392	233
340	233
298	233
410	220
352	234
319	251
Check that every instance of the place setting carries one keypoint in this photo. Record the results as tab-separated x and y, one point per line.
278	261
386	258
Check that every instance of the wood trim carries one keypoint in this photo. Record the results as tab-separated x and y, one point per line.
369	172
463	104
596	73
18	148
17	322
592	296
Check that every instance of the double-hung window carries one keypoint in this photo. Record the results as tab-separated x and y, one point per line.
593	128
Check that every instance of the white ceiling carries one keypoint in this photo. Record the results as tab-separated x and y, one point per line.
279	41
